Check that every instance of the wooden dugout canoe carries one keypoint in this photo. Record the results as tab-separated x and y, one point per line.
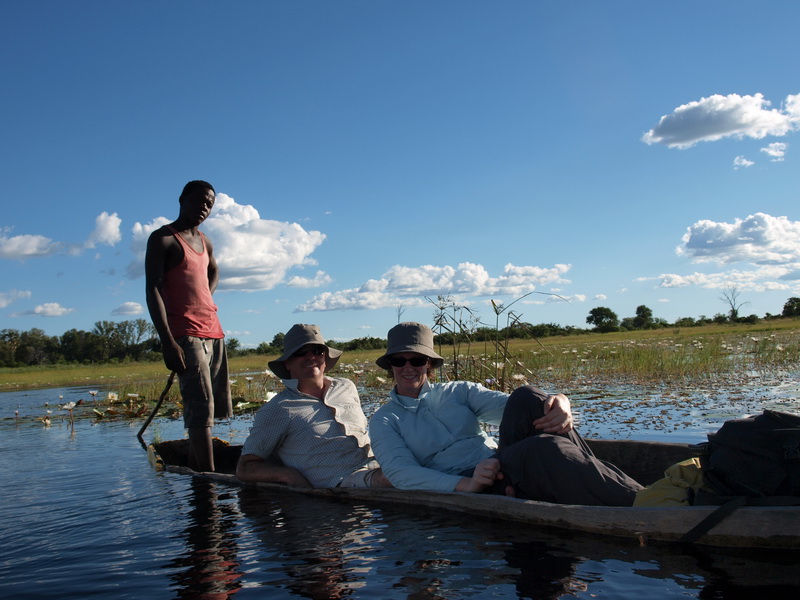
747	527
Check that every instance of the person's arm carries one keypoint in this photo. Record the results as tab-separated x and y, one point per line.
213	270
155	267
557	415
254	468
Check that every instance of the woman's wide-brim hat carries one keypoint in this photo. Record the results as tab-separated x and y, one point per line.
298	336
410	337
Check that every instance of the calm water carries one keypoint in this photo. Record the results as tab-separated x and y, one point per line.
83	515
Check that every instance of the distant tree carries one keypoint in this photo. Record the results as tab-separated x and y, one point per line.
37	348
685	322
643	318
232	346
604	319
730	296
792	307
9	341
277	342
264	348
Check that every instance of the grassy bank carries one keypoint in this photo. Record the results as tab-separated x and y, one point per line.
637	355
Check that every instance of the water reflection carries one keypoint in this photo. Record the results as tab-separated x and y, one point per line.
322	549
209	570
290	545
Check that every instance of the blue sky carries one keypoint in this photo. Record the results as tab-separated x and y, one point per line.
370	154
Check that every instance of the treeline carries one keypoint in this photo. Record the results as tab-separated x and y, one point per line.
109	341
137	340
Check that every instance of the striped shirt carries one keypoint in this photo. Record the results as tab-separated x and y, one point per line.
326	440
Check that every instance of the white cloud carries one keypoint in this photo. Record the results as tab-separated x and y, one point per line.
320	278
777	150
106	230
600	297
757	280
758	239
7	298
769	245
128	308
26	246
408	286
716	117
741	161
253	254
49	309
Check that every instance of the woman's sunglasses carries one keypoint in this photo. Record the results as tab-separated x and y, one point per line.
315	350
417	361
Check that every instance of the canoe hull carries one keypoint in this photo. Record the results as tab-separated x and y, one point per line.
747	527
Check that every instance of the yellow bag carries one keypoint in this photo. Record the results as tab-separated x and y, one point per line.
676	488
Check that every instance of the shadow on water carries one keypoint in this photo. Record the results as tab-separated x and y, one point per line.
252	543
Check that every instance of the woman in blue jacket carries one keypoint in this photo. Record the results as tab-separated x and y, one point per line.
429	435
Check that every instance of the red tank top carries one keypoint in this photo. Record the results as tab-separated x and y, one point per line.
187	297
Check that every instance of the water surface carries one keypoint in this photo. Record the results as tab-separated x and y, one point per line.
83	515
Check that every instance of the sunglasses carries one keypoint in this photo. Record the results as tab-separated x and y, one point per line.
315	350
417	361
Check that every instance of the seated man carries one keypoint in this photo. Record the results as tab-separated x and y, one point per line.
315	427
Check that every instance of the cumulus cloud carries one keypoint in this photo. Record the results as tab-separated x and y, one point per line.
741	161
320	278
757	280
253	254
408	286
769	245
26	246
757	239
717	117
106	230
777	150
48	309
128	308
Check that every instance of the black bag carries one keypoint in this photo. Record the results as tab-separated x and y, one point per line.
755	457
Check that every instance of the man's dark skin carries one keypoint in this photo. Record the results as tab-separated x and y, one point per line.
164	253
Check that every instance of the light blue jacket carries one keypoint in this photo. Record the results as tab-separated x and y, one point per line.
424	442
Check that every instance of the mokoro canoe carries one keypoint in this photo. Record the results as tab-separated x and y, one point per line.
746	527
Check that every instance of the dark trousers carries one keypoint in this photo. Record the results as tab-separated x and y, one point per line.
554	468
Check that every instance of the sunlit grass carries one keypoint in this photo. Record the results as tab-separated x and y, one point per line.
675	357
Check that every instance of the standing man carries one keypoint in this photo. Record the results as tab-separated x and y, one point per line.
181	275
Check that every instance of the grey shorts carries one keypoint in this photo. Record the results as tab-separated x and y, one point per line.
205	387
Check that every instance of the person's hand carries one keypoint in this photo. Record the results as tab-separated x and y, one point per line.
174	358
485	474
557	415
